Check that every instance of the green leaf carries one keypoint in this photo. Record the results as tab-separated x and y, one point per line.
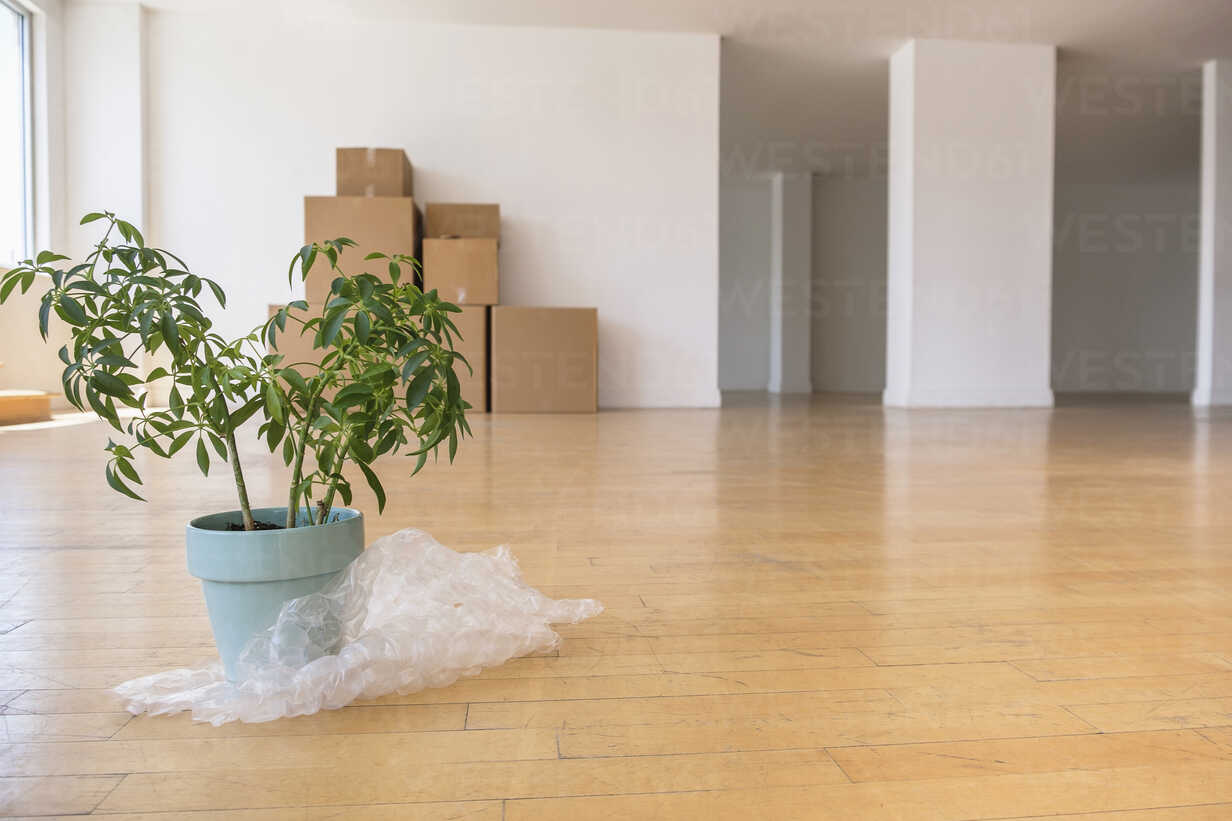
130	233
219	447
91	217
418	389
179	442
219	294
44	317
128	470
71	311
333	324
274	404
245	412
110	384
117	485
375	484
203	457
354	394
413	363
273	434
171	334
10	282
452	387
294	379
363	327
45	257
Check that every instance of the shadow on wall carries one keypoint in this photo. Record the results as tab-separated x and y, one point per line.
1125	235
848	289
849	283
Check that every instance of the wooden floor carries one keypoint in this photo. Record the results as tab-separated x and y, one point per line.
815	610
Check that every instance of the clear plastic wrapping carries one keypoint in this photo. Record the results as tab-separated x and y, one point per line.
408	614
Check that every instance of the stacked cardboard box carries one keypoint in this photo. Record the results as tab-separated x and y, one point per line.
545	360
375	207
540	360
461	262
522	360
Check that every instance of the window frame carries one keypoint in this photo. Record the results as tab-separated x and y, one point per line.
25	26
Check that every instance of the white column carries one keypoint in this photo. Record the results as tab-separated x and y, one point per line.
969	298
791	226
1213	378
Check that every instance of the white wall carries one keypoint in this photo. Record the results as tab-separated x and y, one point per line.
1126	228
849	284
104	118
1125	288
971	159
744	293
600	146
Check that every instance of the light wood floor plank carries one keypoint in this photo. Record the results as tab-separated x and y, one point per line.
347	785
979	797
53	795
978	615
908	762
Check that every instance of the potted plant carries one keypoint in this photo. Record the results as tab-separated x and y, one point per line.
384	384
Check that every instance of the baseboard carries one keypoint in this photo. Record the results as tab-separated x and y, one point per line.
973	398
1211	397
799	387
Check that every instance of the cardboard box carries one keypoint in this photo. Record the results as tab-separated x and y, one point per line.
373	172
457	219
292	345
473	325
390	225
544	360
462	271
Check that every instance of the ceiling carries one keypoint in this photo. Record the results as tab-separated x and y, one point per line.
804	82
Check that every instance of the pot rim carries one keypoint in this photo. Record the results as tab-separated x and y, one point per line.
339	514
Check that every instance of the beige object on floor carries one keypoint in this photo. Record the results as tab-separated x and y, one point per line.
473	325
544	360
20	407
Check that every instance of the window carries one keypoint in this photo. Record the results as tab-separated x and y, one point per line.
15	183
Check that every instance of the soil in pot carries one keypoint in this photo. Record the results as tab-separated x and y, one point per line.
256	526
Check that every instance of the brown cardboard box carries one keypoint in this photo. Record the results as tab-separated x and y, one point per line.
544	360
457	219
462	271
292	345
473	325
387	224
373	172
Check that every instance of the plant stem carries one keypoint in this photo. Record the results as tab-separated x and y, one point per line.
326	504
297	473
238	472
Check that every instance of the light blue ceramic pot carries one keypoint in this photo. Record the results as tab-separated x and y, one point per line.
248	575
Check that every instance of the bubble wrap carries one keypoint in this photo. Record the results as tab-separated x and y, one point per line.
408	614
